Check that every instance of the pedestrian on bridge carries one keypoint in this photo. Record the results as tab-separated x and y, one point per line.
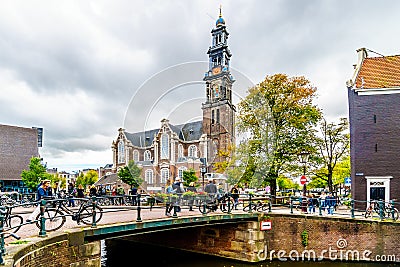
42	192
168	190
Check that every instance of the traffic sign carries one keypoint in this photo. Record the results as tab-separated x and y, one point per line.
265	225
303	179
347	181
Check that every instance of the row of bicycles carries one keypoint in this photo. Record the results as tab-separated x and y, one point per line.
55	213
382	209
226	204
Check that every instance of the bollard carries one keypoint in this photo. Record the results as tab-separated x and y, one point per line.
138	219
250	204
319	207
352	208
392	209
291	204
380	203
205	206
2	248
94	202
229	203
175	215
42	232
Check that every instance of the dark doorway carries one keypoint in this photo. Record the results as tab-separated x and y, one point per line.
377	193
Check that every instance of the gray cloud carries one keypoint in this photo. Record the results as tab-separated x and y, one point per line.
74	67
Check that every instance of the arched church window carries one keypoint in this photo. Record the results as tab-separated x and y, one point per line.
180	172
180	151
135	156
192	151
147	155
121	152
149	176
164	146
164	175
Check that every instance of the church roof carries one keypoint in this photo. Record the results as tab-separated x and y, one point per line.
379	72
190	131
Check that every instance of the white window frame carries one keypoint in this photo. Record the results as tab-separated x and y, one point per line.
149	176
180	172
180	151
192	151
164	175
135	156
121	152
164	146
147	155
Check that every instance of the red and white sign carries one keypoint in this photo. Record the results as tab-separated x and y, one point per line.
265	225
303	179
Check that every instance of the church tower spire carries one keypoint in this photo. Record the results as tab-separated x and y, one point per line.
218	110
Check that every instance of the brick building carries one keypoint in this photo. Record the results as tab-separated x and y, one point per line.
164	153
374	116
17	146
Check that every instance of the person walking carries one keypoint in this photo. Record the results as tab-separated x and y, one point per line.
168	204
42	192
179	189
235	196
71	195
80	192
134	195
330	203
322	201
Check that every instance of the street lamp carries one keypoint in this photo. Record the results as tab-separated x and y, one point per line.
203	170
303	158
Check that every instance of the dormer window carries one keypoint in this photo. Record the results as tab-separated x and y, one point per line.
191	131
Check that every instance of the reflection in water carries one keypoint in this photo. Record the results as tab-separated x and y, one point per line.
117	252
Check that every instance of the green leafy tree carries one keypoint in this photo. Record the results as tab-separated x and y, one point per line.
286	183
91	177
131	174
332	147
87	179
35	174
279	116
80	180
189	176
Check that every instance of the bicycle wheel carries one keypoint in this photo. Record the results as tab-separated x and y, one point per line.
388	213
263	207
203	207
13	223
226	205
54	219
368	212
253	207
86	214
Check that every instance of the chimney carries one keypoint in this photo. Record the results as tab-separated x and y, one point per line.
362	53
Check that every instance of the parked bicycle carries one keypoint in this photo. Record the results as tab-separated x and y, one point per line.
387	209
212	203
55	209
12	222
259	205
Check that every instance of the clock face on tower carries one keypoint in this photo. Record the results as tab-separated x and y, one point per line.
216	70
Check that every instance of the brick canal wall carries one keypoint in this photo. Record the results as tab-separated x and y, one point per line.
293	236
63	249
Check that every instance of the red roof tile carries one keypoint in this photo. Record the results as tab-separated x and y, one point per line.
379	72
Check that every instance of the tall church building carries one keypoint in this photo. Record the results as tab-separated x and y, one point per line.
164	153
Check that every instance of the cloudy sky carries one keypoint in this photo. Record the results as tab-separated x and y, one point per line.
83	69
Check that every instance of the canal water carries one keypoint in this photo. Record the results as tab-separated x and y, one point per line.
127	253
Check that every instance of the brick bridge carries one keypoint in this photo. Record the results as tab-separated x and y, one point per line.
238	236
